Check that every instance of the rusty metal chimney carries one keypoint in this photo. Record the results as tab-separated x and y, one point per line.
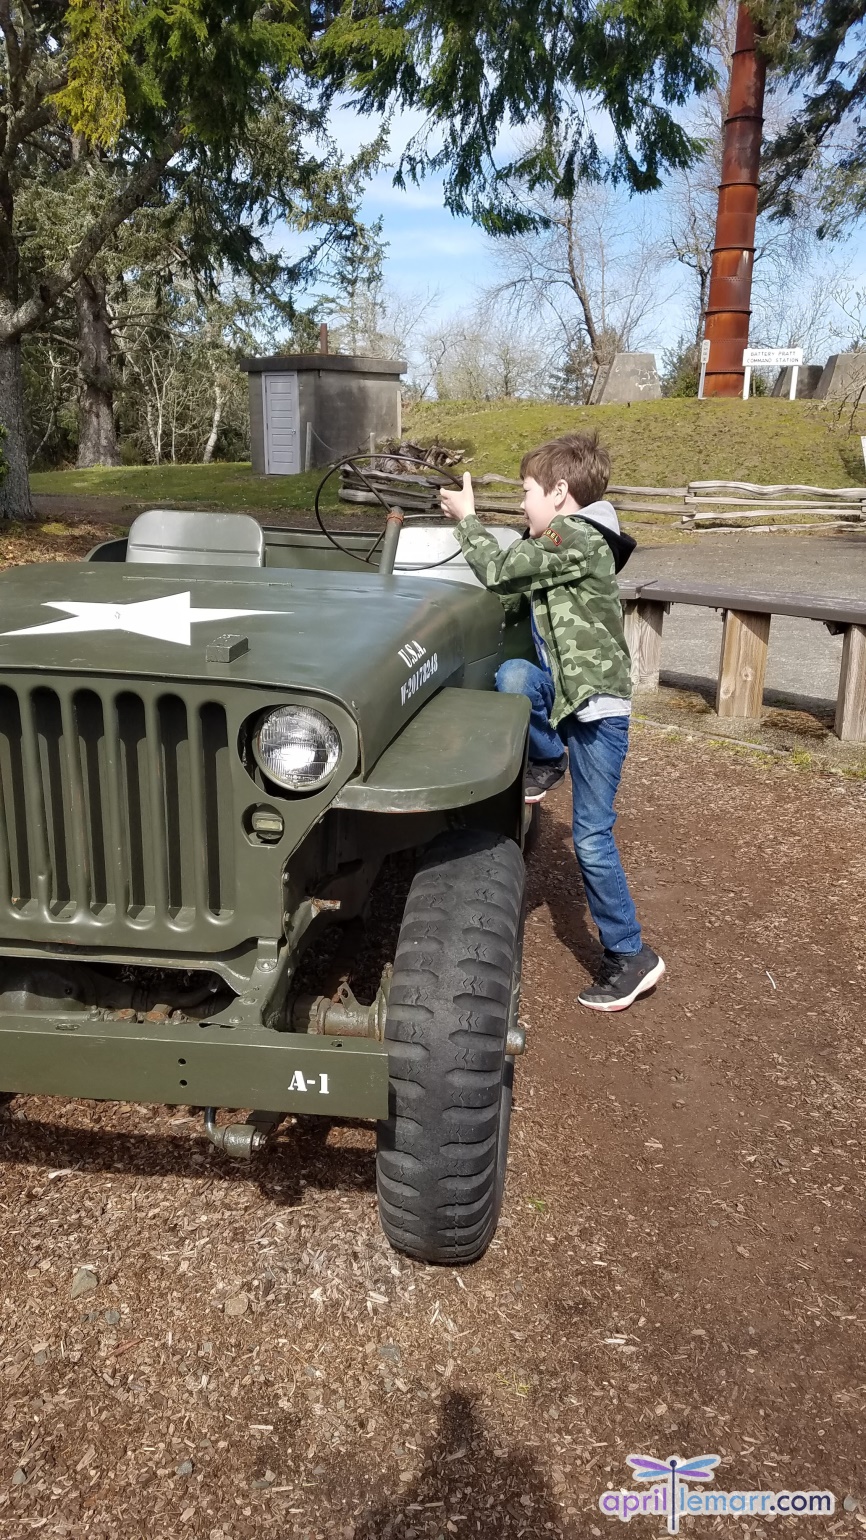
729	303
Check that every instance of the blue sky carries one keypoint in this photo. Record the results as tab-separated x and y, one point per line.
431	250
428	248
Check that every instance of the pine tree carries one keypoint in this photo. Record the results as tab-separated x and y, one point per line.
821	48
218	98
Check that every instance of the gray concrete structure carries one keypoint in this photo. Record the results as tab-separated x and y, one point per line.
843	379
344	398
631	377
808	377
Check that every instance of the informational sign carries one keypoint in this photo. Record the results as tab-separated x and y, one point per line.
705	358
782	358
779	358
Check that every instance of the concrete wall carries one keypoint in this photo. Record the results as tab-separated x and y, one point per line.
257	424
808	376
307	384
348	408
631	377
843	379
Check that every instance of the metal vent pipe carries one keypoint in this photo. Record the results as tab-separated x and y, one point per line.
729	303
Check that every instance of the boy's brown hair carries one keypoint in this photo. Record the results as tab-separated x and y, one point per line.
577	458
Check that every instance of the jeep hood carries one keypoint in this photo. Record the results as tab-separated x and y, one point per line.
381	646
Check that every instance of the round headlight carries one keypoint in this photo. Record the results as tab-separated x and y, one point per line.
298	748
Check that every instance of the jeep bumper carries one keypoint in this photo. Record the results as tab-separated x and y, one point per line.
193	1064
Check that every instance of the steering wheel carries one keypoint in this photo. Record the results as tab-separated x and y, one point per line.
350	462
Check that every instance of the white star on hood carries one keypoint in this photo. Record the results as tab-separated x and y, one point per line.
165	620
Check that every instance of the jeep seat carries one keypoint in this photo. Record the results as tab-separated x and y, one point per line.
196	539
420	544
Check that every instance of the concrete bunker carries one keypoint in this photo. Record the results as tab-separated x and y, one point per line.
308	409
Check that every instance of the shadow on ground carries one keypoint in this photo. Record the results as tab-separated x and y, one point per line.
299	1157
499	1490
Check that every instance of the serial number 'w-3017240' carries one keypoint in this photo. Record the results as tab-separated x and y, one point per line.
420	677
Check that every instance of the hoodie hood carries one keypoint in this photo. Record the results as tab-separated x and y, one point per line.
602	516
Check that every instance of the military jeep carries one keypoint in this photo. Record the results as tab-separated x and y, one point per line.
211	738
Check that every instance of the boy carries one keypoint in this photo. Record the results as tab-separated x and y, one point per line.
580	690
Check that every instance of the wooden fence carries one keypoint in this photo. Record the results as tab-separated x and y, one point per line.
745	504
700	505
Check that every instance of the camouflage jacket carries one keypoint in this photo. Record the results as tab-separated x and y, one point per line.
568	576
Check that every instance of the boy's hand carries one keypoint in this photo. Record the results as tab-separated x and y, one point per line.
456	504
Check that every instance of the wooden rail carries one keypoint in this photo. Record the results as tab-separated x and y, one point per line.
747	615
700	505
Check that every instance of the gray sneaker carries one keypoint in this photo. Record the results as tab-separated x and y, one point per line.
621	978
542	777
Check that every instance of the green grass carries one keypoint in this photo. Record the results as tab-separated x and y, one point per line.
222	485
653	443
663	443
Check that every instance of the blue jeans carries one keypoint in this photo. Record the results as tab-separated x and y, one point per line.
596	754
518	677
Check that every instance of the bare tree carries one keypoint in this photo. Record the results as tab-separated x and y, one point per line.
484	354
850	302
219	401
588	281
385	323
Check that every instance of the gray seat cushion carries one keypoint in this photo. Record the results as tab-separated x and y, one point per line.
196	539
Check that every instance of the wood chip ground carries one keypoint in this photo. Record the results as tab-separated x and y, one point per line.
679	1268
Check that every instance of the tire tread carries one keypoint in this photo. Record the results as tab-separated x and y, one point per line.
438	1162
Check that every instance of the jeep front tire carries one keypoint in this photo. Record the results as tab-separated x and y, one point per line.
442	1152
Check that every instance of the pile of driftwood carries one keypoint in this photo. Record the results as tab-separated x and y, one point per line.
398	477
410	477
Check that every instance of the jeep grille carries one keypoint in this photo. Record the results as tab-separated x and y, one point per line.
114	806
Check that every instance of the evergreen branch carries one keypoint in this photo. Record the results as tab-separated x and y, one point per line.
19	128
29	315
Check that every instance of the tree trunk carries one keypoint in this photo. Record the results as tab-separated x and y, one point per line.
97	437
15	487
15	483
210	446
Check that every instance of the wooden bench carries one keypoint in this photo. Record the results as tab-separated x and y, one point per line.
747	614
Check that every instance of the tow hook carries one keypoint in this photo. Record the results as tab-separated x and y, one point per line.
240	1141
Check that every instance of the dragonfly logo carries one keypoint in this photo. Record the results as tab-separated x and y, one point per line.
670	1477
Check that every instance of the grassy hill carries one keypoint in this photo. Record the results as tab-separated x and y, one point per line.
664	443
653	443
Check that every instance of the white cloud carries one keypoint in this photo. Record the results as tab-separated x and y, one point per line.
383	192
350	129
